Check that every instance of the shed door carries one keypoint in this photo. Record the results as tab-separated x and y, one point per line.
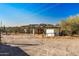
50	32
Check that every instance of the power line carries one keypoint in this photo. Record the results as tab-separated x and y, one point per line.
50	7
44	9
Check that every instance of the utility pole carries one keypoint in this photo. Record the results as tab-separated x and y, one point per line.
33	32
0	32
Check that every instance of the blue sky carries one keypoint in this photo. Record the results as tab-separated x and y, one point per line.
30	13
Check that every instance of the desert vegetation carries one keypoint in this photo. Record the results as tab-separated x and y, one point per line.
70	26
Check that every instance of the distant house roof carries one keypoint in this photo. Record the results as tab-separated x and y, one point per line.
52	27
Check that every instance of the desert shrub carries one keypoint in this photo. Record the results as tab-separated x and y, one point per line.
70	26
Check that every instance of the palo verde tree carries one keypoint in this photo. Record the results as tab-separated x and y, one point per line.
70	26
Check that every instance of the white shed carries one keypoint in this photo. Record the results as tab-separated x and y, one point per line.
51	32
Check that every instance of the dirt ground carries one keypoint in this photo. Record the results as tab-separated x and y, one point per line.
54	46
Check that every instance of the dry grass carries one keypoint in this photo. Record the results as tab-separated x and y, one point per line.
54	46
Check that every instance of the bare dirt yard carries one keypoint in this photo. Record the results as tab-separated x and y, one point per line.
54	46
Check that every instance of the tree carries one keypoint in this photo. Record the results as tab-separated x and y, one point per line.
71	25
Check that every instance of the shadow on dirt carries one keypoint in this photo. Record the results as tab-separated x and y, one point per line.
7	50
